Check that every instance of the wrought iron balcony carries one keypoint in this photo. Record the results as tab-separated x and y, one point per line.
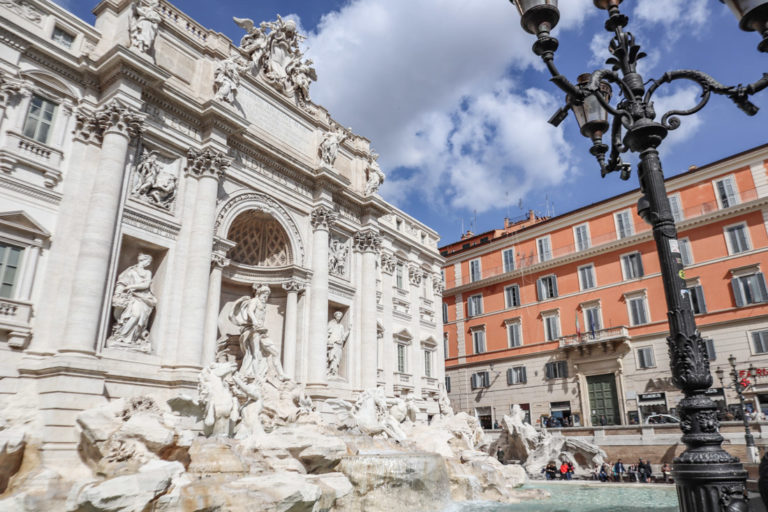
591	338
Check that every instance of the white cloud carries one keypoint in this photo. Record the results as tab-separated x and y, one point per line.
677	16
422	78
681	98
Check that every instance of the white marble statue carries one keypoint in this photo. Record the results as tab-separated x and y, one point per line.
133	303
250	426
443	402
301	75
226	79
143	25
222	409
337	337
337	257
332	140
254	42
374	175
153	183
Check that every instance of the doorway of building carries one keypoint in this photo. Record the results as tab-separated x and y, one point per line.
603	400
485	417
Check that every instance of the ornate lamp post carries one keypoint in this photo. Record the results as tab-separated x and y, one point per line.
707	477
754	455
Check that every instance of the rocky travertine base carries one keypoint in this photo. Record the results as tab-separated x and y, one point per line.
139	459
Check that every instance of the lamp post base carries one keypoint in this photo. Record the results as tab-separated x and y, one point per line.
711	487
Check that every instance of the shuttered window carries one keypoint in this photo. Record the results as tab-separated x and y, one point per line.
478	341
544	249
516	375
514	337
633	265
624	226
475	305
738	240
645	358
556	370
676	207
547	287
512	296
749	289
726	192
760	342
480	380
637	311
508	256
474	271
709	343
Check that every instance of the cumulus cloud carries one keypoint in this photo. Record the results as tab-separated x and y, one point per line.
425	81
681	98
674	15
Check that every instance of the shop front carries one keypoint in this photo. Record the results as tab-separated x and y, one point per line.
650	405
560	414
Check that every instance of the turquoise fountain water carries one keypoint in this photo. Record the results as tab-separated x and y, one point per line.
589	498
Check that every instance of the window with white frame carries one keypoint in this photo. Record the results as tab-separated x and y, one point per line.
474	270
428	362
556	370
475	305
546	286
748	287
62	37
478	340
581	237
592	322
737	238
516	375
587	277
402	359
445	312
726	191
39	119
696	296
514	333
632	265
645	357
760	342
480	380
676	206
10	261
508	257
686	254
512	296
551	326
624	225
400	276
544	248
446	352
638	310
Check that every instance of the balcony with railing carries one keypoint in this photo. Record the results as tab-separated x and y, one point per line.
601	338
15	316
529	258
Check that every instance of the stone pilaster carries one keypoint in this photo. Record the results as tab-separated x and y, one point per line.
368	242
388	263
218	262
113	125
293	288
322	219
207	166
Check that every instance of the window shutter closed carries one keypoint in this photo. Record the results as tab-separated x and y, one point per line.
641	358
473	381
700	299
523	375
554	286
510	377
548	370
447	384
738	292
486	380
639	260
710	348
565	369
761	287
540	289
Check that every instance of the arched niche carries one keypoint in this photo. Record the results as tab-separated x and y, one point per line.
260	241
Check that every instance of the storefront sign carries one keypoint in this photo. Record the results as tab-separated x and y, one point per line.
714	392
651	397
760	372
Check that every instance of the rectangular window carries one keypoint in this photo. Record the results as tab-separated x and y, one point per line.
508	255
709	343
544	248
516	375
399	280
760	342
428	363
686	255
551	327
478	341
676	206
581	237
696	296
514	335
447	384
401	361
749	289
738	239
547	287
512	296
556	370
446	353
63	38
645	358
474	270
475	305
39	119
587	277
592	320
637	311
480	380
445	313
624	226
10	259
632	264
726	191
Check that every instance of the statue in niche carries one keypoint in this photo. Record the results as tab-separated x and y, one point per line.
337	337
374	175
337	257
226	79
329	147
143	25
152	183
259	351
133	303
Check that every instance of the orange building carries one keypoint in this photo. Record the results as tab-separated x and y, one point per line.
566	316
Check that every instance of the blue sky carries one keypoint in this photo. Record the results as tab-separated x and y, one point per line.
456	104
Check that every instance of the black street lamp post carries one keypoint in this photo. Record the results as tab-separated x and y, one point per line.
708	478
754	455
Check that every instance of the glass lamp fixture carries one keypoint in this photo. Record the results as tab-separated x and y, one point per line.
590	114
752	372
607	4
537	16
720	374
753	17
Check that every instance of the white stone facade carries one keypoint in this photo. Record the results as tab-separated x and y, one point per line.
137	136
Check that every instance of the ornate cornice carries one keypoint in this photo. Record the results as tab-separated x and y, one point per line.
151	224
206	162
323	217
367	240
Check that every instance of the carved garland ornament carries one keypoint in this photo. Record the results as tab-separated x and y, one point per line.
207	162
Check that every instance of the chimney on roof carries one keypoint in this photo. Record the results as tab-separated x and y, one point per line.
531	215
507	223
468	234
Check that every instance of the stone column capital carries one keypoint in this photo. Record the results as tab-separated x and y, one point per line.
388	263
13	88
220	260
113	117
206	162
367	240
294	286
323	218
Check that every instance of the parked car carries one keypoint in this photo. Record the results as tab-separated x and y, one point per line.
661	418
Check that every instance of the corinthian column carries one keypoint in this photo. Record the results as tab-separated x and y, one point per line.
291	320
207	166
368	242
322	219
114	124
219	261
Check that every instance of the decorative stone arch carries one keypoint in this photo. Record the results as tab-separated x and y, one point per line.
256	201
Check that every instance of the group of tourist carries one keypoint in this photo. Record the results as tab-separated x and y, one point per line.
640	472
553	472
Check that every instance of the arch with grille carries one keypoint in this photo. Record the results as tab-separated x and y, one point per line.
261	241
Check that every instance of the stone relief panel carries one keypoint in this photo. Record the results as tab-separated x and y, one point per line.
338	257
24	9
155	181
